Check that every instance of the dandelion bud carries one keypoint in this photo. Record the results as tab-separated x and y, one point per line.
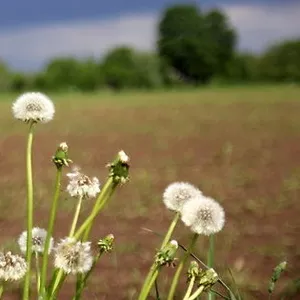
208	278
123	157
12	267
35	107
166	256
118	169
276	274
61	157
193	270
106	244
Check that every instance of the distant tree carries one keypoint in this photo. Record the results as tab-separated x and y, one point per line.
19	82
62	73
242	67
221	38
281	62
119	68
196	45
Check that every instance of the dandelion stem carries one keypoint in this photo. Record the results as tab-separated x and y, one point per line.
143	294
181	266
29	210
50	229
197	293
1	290
38	272
190	288
76	215
104	195
81	280
210	261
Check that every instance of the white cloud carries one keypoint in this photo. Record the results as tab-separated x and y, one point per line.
261	25
29	48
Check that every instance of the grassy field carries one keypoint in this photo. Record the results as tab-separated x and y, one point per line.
238	145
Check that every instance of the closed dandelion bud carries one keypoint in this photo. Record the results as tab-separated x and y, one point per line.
61	157
208	278
193	270
166	256
275	276
119	168
106	244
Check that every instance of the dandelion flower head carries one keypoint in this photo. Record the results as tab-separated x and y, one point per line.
38	240
178	193
124	158
33	106
12	267
81	185
203	215
73	257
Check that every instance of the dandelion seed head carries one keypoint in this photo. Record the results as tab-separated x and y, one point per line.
38	240
203	215
12	267
73	257
33	106
178	193
81	185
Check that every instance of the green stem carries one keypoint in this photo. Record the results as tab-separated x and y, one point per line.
85	228
50	229
29	211
58	280
103	197
150	284
197	293
81	282
143	295
181	266
76	215
1	290
190	288
210	261
38	272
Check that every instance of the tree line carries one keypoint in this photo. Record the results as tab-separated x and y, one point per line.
193	48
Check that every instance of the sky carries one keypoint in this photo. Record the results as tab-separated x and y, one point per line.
34	31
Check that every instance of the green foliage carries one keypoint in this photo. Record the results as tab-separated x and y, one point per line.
281	62
196	45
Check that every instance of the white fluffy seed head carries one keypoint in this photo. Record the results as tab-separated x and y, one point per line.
38	240
203	215
178	193
73	257
81	185
12	267
33	106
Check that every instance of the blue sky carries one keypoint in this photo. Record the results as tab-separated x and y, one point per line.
34	31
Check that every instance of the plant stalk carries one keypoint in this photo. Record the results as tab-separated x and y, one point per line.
181	266
26	289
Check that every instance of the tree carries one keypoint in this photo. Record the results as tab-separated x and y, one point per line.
281	62
119	68
5	77
194	44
